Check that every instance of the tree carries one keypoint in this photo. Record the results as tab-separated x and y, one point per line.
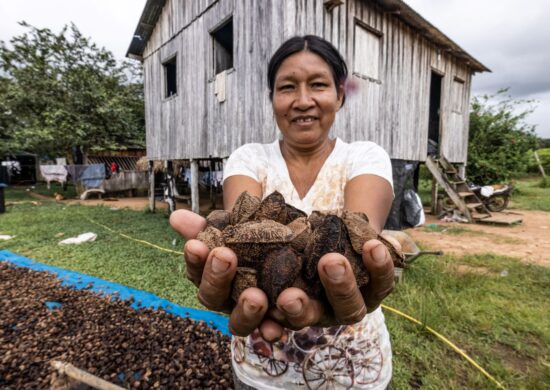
59	91
499	139
544	143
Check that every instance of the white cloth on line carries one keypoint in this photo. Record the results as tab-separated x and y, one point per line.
54	173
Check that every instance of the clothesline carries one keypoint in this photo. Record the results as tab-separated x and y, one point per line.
90	176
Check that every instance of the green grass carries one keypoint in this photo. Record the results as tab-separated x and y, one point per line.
69	192
501	321
110	257
529	194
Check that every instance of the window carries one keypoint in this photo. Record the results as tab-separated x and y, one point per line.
170	77
366	52
222	38
457	95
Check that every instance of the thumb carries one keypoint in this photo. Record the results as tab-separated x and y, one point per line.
187	223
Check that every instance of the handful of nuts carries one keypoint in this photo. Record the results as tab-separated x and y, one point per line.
278	246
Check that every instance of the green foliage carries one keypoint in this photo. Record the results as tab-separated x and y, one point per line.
499	138
545	182
544	143
61	90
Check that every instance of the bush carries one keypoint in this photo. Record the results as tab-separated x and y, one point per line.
500	140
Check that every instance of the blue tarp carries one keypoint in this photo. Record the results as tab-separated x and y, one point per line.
93	176
141	298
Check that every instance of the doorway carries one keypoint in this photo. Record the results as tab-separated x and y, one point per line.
434	120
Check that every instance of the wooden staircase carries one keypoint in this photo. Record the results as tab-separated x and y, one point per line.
456	188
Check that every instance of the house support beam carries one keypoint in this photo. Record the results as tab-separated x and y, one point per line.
195	186
151	185
170	189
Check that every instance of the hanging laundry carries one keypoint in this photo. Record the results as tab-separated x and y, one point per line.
93	176
56	173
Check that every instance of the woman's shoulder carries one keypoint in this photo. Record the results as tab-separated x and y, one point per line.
254	149
363	150
362	146
250	160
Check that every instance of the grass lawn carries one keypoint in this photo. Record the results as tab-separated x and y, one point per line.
499	316
528	194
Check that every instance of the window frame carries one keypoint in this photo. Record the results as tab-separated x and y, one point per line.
457	99
228	19
172	58
369	29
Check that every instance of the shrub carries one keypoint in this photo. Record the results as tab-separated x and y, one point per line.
499	138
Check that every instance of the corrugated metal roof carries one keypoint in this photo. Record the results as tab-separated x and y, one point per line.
147	21
399	8
410	17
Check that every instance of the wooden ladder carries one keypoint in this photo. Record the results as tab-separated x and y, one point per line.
456	188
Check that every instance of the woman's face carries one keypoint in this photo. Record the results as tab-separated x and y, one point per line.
305	99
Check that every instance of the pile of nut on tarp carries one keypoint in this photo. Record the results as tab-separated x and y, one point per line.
42	321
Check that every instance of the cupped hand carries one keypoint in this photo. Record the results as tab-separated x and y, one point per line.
213	272
350	304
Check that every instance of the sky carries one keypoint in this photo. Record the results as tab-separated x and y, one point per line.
509	37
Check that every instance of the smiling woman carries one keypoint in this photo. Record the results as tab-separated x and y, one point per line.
286	346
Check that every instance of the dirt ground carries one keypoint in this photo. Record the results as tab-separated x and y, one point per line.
528	241
141	203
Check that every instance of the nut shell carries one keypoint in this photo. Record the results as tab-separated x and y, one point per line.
278	246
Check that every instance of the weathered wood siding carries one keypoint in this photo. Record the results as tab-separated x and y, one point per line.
392	111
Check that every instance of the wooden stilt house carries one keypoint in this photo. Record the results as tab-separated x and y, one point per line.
205	73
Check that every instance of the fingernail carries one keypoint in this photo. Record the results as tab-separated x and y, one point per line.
249	308
293	307
379	253
335	271
219	266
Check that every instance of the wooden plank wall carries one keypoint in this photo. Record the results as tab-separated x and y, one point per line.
392	112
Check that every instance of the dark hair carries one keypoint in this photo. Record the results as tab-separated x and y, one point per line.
314	44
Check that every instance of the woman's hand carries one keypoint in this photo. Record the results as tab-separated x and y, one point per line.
213	272
296	310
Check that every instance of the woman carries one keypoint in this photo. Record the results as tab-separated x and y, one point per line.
313	172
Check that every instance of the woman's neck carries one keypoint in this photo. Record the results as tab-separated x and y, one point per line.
305	164
305	156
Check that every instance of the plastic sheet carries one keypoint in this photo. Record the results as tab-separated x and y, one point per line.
141	298
403	180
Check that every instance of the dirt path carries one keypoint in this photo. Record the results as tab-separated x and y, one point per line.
529	241
142	203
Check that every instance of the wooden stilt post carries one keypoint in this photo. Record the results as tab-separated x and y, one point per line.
462	171
539	164
170	186
151	186
195	186
212	165
434	196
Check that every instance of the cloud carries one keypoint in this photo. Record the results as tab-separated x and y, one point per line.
508	37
